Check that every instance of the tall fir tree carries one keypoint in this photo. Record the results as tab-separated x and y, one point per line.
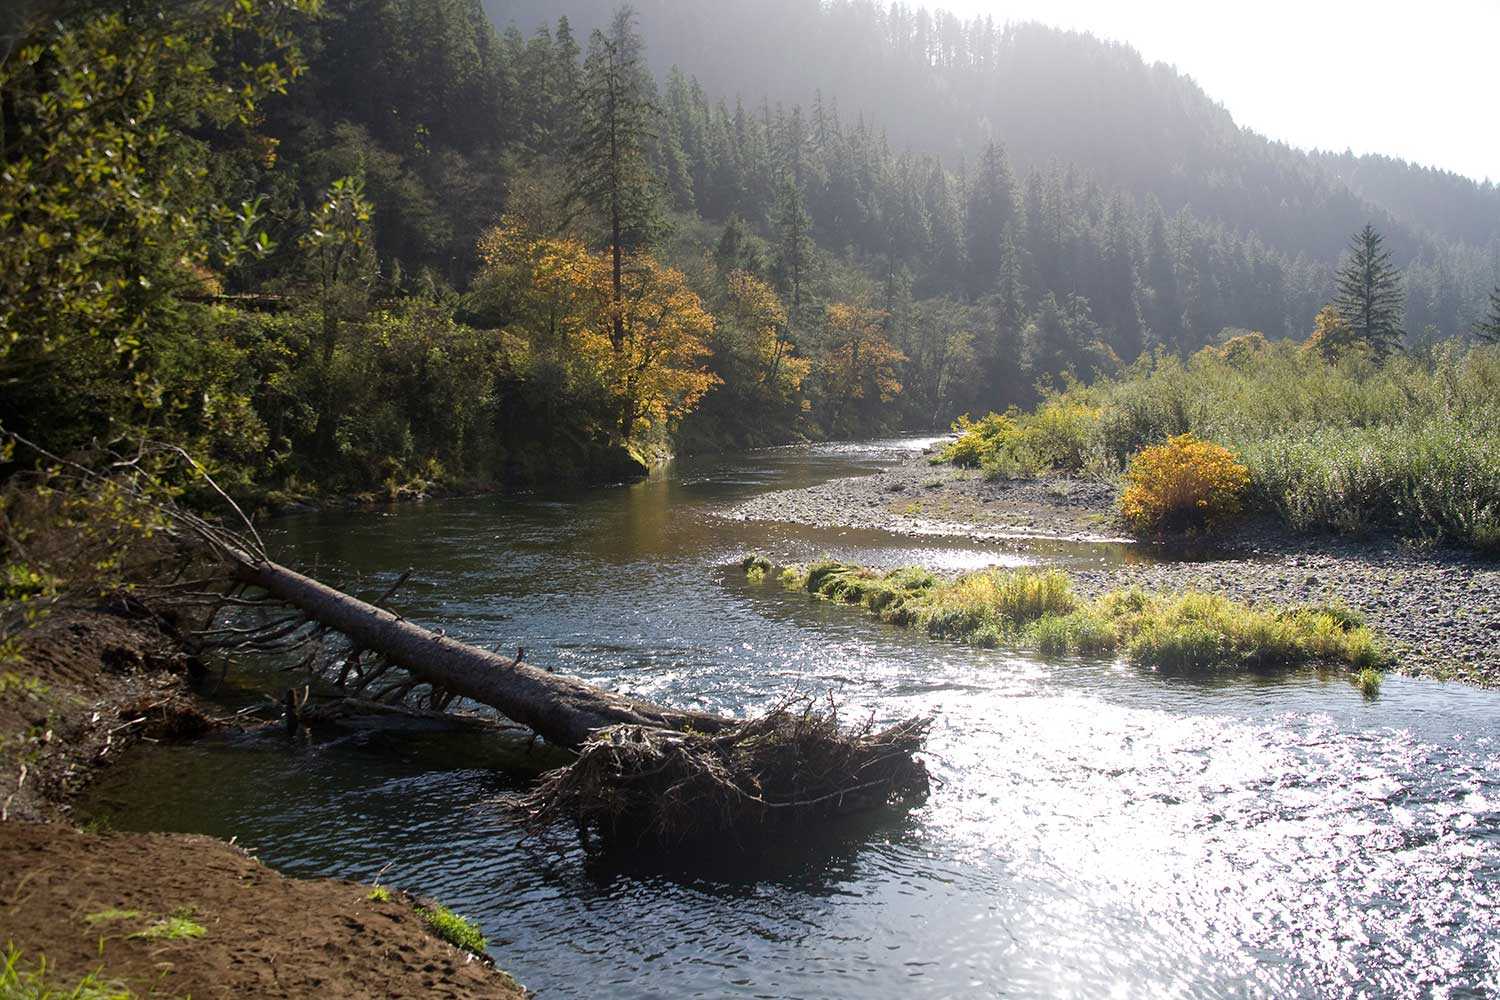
991	209
609	171
794	246
1489	327
1369	293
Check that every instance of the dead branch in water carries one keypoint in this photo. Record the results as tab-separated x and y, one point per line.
793	765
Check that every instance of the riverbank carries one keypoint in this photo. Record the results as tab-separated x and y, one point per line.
91	683
1438	610
917	498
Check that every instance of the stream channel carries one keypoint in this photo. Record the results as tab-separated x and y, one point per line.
1094	830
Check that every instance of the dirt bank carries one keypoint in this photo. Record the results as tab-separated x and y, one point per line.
98	903
90	683
1438	609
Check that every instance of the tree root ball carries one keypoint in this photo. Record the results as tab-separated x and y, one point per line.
637	786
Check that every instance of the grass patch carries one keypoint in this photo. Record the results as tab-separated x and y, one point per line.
756	567
111	916
457	931
30	687
37	983
1368	682
379	894
1038	609
177	926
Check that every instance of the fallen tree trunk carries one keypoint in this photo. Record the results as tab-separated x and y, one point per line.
644	773
562	710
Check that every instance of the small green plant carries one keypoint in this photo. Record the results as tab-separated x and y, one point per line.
1368	681
99	823
111	916
379	894
29	687
18	983
176	926
457	931
756	561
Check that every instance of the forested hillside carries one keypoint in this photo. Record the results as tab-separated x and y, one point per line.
379	244
1264	223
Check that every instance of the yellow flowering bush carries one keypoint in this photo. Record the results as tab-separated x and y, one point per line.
1185	483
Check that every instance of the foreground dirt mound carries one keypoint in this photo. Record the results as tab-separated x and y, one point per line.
91	902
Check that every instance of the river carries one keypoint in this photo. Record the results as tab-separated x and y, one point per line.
1094	830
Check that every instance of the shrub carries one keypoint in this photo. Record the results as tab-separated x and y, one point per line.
1439	480
979	442
1243	350
1058	437
1185	483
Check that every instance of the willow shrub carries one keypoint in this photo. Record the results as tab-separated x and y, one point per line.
1058	437
1438	480
1411	446
1038	609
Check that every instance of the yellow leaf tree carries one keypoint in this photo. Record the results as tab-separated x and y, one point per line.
656	370
644	356
750	351
1332	335
859	365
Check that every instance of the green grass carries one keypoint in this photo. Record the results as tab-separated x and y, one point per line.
177	926
379	894
31	687
38	983
111	916
457	931
1038	609
1369	682
756	566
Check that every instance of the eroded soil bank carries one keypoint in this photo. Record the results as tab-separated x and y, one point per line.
1439	609
93	682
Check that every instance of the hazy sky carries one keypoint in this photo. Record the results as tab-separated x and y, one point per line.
1296	70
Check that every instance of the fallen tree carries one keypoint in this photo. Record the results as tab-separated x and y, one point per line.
644	772
560	709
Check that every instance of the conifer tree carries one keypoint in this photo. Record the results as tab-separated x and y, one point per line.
1369	293
795	245
1489	327
609	171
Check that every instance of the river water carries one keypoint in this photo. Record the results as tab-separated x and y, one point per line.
1094	830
